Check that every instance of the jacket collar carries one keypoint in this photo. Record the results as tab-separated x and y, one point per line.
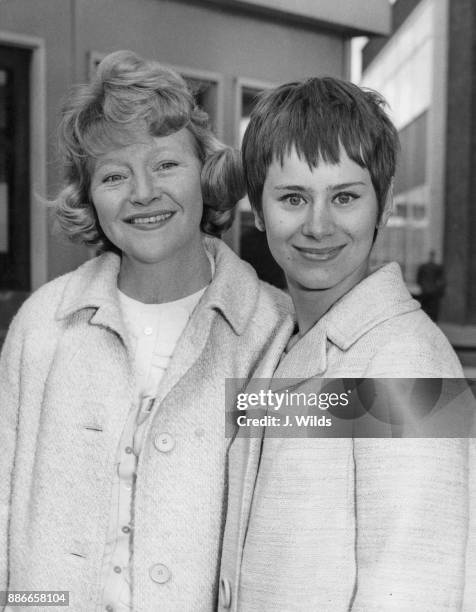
94	285
379	297
231	293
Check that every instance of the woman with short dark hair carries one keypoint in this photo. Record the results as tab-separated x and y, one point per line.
315	521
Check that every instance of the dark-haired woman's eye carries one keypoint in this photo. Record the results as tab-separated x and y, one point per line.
293	199
344	198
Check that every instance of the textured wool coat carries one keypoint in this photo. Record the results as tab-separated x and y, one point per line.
339	525
66	387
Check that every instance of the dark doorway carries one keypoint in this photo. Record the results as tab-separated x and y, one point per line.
14	179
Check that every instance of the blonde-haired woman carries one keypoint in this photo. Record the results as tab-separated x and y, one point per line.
112	376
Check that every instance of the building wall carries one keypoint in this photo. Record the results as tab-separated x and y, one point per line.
53	25
400	11
460	217
409	70
449	150
372	16
231	43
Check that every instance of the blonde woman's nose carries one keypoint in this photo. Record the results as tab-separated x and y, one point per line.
319	221
143	189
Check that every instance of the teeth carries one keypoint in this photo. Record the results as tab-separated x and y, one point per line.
155	219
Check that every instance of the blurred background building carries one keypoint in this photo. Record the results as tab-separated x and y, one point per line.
425	70
229	50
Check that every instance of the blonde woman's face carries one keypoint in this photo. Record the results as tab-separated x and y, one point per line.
147	196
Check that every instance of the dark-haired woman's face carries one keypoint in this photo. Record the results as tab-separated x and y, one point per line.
320	222
148	197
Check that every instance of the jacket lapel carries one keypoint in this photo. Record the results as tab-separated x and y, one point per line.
313	344
187	351
230	295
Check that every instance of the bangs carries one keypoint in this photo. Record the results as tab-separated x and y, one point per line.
319	118
318	130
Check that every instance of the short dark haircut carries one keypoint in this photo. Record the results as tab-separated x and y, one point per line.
317	117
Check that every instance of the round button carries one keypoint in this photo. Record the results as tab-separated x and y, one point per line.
164	442
129	450
117	569
109	608
126	529
148	331
159	573
225	592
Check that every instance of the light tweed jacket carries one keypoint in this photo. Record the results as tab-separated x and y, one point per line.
65	390
361	525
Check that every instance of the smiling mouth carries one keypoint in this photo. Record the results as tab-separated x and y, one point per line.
320	254
150	220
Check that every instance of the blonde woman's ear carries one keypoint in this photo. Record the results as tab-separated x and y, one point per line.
259	223
388	207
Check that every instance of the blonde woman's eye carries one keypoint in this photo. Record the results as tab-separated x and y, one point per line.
345	198
167	165
112	178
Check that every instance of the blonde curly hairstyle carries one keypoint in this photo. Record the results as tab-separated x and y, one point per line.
128	92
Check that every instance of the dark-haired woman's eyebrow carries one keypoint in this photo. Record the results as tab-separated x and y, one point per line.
345	185
290	188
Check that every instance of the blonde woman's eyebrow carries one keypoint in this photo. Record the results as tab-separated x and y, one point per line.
109	161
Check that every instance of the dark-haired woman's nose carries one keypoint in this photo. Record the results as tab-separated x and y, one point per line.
143	189
319	222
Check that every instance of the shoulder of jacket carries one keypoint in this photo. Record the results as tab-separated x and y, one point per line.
412	345
274	299
42	304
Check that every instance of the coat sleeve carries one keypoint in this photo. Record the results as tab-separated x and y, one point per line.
411	524
10	360
411	503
